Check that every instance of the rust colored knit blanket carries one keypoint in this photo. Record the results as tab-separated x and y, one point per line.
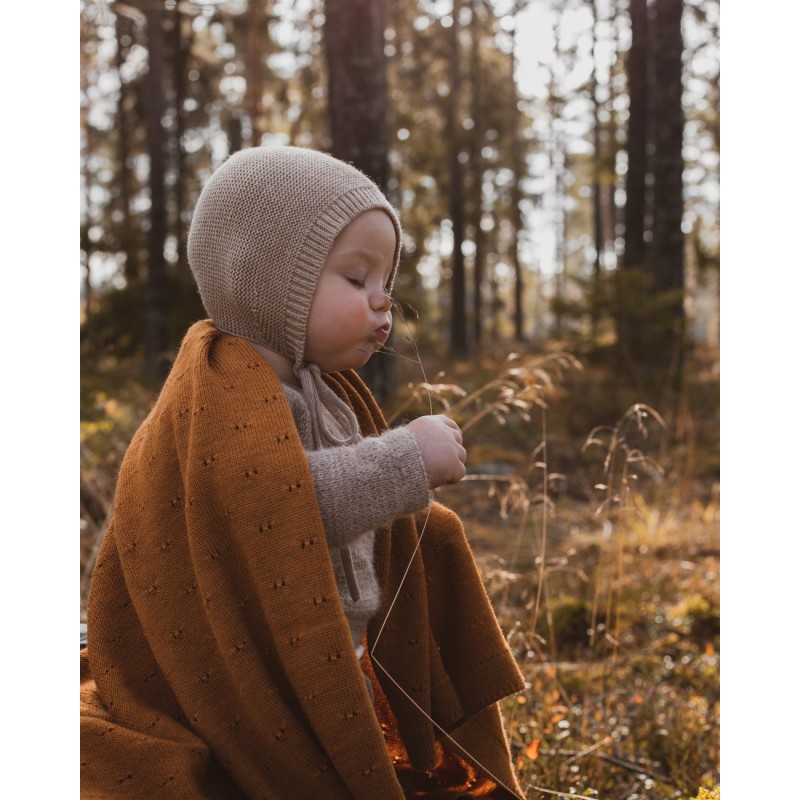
220	663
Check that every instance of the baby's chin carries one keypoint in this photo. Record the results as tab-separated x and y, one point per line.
355	360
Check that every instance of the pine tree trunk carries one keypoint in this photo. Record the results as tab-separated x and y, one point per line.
86	243
557	152
156	290
597	183
234	132
635	255
668	123
357	94
127	237
476	175
458	290
358	103
637	137
254	68
518	166
180	49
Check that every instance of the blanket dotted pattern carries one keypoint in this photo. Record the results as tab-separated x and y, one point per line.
219	662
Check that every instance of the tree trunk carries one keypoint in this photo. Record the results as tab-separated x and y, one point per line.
635	254
518	167
156	309
668	122
180	49
234	132
127	236
458	291
476	172
357	99
597	182
86	243
635	209
254	68
357	94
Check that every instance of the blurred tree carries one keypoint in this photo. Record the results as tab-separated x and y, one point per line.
633	262
559	163
476	167
254	58
124	184
87	146
599	170
528	165
668	240
354	48
650	299
517	172
180	46
156	343
458	290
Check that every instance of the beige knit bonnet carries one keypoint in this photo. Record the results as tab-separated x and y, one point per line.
259	237
261	232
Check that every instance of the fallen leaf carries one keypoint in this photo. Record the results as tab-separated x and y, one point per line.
532	750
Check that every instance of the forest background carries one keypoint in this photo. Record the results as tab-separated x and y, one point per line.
559	191
568	304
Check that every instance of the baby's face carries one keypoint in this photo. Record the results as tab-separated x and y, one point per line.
350	314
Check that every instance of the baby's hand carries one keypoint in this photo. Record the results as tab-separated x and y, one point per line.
439	440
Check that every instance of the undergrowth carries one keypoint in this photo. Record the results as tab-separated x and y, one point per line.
595	524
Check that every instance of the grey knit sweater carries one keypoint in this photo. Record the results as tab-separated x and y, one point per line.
360	487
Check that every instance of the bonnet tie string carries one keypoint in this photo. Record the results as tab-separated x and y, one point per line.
333	423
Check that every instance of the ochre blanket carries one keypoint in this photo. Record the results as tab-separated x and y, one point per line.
220	664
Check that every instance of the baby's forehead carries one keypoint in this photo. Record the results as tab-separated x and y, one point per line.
370	236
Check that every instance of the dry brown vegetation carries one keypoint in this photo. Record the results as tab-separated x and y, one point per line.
601	556
595	523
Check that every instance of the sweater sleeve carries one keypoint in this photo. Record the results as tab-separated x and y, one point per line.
368	484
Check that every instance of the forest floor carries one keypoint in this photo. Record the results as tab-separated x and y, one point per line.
594	521
595	524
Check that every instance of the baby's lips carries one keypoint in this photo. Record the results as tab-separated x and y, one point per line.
381	334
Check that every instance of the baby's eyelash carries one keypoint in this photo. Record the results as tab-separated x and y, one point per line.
356	282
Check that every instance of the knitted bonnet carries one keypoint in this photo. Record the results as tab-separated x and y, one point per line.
260	234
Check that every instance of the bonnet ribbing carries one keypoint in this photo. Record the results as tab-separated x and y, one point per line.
260	234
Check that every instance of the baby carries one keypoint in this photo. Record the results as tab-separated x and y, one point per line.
273	544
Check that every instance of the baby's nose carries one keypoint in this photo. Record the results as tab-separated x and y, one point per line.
380	301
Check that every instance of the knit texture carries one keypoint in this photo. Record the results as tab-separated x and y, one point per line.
220	663
260	235
359	487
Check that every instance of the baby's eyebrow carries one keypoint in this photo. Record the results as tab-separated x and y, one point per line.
373	258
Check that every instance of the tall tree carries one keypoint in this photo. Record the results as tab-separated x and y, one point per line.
87	147
557	152
598	170
124	187
517	169
255	53
181	45
668	123
633	261
477	169
458	286
156	311
354	50
356	61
